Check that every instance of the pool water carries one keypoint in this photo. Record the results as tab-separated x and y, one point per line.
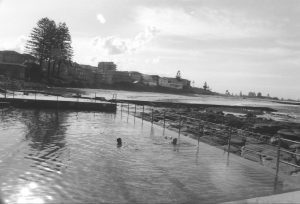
73	157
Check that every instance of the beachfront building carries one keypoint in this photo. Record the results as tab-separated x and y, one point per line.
107	66
121	77
108	69
174	83
14	57
150	80
136	77
74	73
14	65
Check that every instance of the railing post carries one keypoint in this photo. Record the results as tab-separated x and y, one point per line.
199	134
121	104
134	110
57	102
179	127
13	94
229	140
5	91
152	117
128	108
260	159
95	97
143	114
278	156
164	120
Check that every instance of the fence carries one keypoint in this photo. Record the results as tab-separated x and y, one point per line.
36	99
148	113
35	94
294	154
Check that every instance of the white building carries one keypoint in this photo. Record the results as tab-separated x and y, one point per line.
174	83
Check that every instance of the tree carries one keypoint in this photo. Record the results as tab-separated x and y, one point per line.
41	39
259	95
50	43
251	94
63	51
205	87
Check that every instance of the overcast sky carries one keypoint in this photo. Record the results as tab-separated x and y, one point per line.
239	45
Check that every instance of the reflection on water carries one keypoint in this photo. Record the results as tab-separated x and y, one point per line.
53	157
39	153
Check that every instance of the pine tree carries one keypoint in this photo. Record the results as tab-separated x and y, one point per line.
205	87
63	49
50	43
40	42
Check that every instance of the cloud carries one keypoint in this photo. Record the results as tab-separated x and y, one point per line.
155	60
202	23
101	18
16	45
114	45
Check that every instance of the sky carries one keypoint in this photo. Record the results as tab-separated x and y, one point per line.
235	45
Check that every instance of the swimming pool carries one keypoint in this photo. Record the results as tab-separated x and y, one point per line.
53	157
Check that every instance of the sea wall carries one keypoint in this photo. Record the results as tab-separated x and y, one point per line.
56	104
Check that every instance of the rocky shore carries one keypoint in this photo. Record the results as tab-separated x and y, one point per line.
252	136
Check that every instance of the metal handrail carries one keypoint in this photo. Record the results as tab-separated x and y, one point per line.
279	149
294	153
258	153
291	164
222	125
287	140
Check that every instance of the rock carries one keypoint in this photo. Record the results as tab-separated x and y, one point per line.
250	115
263	128
238	141
268	158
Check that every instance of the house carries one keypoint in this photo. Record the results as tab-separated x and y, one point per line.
9	56
79	74
14	64
135	76
150	80
174	83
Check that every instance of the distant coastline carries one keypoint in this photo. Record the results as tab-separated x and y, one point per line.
15	85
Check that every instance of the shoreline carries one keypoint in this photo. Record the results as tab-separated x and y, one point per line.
14	84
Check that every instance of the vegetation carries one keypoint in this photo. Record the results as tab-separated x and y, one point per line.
50	43
206	87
